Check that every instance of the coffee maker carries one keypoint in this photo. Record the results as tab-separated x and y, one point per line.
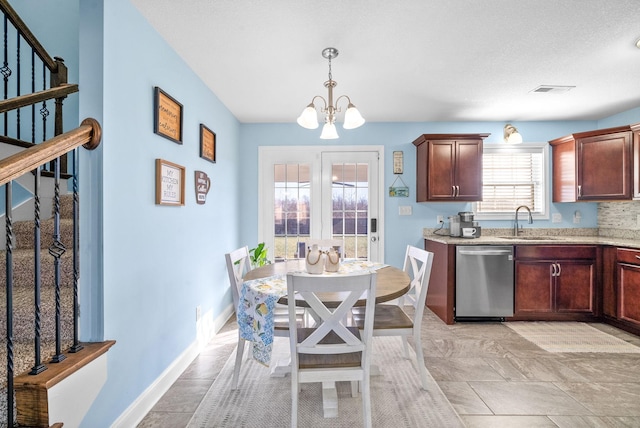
468	227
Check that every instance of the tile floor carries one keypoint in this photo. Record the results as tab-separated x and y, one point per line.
492	376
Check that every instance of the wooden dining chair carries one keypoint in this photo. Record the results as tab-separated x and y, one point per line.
238	264
331	351
392	320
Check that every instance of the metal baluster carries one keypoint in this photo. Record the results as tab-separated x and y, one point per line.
18	73
9	269
57	249
33	91
76	252
38	367
6	72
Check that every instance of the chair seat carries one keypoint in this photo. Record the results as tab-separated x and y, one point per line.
312	361
281	322
385	317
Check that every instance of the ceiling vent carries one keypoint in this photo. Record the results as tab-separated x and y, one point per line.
551	89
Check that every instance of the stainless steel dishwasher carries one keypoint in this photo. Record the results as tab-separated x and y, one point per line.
484	282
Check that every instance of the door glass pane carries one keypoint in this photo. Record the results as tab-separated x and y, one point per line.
350	207
291	209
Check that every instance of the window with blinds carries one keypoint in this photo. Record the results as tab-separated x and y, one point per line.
513	176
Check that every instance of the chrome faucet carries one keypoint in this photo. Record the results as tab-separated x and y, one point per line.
516	228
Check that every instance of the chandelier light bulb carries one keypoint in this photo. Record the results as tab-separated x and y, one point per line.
329	132
309	117
352	118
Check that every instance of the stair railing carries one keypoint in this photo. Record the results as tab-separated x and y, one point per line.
45	76
26	162
44	151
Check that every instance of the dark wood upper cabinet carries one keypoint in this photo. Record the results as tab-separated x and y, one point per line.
449	167
594	166
636	160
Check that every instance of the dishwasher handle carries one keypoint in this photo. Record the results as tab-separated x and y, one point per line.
485	252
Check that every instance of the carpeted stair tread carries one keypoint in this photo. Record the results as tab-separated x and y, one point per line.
23	232
24	313
23	269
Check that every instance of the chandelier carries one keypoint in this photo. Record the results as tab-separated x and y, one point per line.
309	117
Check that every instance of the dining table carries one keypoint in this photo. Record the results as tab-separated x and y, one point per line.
265	286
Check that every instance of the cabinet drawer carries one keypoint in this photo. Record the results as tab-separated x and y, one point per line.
556	252
628	256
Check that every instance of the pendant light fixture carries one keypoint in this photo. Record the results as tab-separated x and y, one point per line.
309	117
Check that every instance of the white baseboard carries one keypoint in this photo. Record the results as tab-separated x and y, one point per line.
207	327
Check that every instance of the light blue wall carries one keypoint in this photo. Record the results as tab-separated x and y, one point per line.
157	262
401	230
628	117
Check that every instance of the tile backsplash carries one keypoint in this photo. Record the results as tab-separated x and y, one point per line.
619	219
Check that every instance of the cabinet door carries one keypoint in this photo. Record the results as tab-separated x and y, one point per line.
564	172
468	170
574	290
629	293
441	170
604	167
534	287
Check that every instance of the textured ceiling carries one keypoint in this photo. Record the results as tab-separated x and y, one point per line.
411	60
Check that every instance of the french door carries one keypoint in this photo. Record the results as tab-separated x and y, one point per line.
319	192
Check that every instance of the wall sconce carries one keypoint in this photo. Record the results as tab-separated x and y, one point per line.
511	134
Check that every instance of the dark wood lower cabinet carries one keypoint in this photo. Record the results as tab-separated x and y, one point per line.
628	287
556	282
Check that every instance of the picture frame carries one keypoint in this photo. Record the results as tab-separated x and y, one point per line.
167	116
170	183
207	144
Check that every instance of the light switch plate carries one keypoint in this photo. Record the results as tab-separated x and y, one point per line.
556	218
404	210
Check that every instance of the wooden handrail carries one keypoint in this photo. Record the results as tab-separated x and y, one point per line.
37	97
28	35
88	134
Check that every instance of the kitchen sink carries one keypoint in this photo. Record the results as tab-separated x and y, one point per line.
530	238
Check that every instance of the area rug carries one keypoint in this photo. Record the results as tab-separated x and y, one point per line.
263	401
560	336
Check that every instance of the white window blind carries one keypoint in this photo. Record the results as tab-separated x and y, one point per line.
512	177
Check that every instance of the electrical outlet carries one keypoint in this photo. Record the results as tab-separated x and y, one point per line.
198	313
556	218
440	219
577	217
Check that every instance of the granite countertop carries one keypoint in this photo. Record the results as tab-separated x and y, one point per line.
533	237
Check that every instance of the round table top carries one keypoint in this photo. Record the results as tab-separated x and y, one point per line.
391	282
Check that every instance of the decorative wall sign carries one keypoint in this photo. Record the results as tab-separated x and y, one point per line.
207	144
203	184
167	116
402	191
169	183
398	162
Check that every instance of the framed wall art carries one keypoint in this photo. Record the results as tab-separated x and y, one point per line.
207	144
167	116
169	183
398	162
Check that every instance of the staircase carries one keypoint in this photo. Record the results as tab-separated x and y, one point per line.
24	296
